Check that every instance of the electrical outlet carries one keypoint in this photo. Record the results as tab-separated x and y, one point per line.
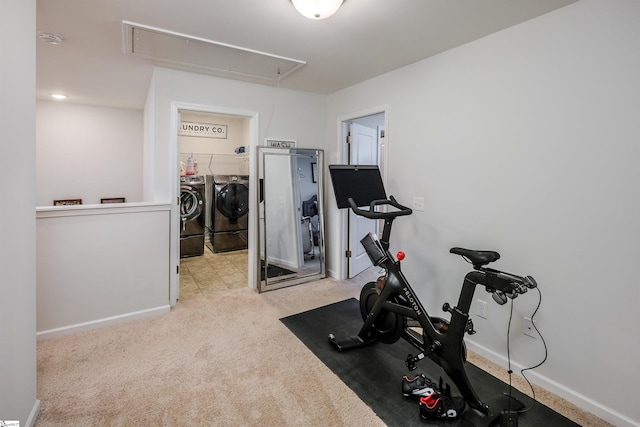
528	328
418	204
483	309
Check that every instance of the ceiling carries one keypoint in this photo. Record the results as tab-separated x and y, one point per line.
365	38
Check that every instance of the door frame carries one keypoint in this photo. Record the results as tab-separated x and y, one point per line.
174	191
343	158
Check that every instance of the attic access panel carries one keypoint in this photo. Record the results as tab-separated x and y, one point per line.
203	56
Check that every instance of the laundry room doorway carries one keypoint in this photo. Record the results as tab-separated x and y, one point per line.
213	233
363	142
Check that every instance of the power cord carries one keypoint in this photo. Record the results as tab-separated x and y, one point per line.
509	418
544	343
522	371
509	370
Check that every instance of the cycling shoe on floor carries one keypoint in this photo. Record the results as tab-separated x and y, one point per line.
419	386
438	406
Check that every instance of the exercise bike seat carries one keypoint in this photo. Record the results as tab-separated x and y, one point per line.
477	258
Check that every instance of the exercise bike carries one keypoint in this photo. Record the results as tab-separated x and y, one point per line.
390	307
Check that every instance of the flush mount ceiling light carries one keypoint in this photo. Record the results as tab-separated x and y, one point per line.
58	96
317	9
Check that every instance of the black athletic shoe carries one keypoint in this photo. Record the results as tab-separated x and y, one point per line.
417	387
438	406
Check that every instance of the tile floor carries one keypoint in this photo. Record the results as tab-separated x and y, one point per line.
210	272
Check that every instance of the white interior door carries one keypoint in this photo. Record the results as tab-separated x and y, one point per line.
363	150
174	281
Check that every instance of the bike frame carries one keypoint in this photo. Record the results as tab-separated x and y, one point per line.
449	348
397	296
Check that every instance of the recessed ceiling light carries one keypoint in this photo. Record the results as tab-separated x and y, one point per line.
58	96
50	38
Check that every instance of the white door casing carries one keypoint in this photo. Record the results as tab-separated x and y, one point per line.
363	150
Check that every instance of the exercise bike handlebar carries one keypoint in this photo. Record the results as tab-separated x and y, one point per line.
371	213
503	285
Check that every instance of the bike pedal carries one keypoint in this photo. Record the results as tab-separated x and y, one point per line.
411	362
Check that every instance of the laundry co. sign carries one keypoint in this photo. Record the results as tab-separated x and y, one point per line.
203	130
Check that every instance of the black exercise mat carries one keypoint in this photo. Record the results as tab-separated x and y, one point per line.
375	372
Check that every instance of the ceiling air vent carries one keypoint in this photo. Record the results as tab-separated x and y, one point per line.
175	50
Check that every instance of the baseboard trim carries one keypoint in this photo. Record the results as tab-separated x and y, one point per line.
101	323
333	274
558	389
33	416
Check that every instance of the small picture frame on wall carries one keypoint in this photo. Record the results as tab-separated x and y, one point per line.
113	200
314	172
67	202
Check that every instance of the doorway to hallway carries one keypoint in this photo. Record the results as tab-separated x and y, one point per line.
364	139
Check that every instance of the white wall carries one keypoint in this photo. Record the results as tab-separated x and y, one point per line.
115	262
100	265
148	151
17	214
526	142
87	152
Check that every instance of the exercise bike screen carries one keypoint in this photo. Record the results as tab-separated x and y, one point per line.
361	183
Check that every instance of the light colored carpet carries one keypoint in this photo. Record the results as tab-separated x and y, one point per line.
222	359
